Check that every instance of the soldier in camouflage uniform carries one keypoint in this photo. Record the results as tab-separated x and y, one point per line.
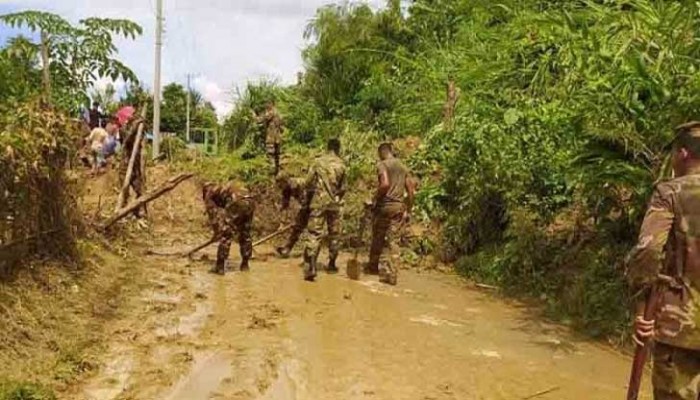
294	188
326	186
392	207
272	126
668	255
137	178
230	209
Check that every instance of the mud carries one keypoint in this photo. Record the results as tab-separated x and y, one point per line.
267	334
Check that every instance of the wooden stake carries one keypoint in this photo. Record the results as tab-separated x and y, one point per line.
132	160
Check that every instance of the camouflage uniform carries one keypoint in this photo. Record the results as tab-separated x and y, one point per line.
325	184
137	178
295	188
669	245
272	124
230	209
388	218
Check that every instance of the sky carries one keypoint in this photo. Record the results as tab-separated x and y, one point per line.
223	43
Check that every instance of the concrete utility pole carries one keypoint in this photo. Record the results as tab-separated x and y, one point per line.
156	81
187	130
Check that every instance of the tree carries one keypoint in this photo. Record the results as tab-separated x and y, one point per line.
174	110
75	56
105	97
19	74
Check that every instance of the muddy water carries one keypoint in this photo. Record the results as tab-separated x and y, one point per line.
267	334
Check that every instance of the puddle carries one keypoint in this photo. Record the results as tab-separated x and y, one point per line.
187	325
285	387
487	354
433	321
207	374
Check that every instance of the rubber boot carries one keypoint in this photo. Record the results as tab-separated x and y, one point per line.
387	276
370	270
309	269
332	268
219	267
283	251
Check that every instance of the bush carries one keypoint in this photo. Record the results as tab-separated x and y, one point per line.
173	147
24	391
38	216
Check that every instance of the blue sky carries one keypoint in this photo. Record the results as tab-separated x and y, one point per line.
223	42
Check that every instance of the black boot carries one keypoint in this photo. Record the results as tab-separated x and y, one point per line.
245	266
283	251
219	267
332	268
309	269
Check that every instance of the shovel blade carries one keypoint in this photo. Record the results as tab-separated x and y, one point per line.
353	269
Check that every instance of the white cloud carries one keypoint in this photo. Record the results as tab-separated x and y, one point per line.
213	93
225	42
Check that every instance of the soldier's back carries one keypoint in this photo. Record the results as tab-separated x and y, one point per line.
680	316
397	173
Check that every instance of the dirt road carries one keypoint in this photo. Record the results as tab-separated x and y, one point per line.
267	334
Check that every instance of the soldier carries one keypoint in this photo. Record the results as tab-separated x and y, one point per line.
272	126
294	188
137	178
230	209
392	206
667	257
326	186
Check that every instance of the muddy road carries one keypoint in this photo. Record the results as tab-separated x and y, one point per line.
267	334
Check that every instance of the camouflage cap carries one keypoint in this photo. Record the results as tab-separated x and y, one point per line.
688	136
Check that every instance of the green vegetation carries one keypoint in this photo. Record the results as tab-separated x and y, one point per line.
174	111
24	391
563	109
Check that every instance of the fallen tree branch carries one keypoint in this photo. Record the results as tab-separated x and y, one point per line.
273	235
171	184
215	239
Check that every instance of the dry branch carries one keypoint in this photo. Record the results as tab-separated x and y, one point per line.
213	240
171	184
132	160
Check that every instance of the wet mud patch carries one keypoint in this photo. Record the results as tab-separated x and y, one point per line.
266	316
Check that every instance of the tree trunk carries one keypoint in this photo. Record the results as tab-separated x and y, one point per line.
46	63
132	160
450	106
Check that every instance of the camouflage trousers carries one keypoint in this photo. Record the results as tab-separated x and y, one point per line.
300	224
240	224
274	152
385	226
676	373
327	218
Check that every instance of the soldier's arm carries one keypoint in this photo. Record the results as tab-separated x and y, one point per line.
646	260
341	185
383	184
286	198
210	206
410	193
